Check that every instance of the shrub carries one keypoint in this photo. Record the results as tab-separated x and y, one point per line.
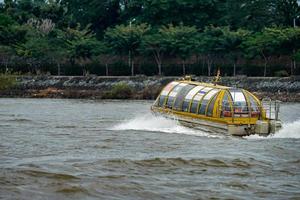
7	81
120	91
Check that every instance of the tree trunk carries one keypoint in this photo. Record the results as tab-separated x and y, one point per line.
183	67
203	64
234	69
158	59
292	66
266	63
58	69
106	69
129	58
35	69
83	71
6	68
209	63
132	68
159	68
265	68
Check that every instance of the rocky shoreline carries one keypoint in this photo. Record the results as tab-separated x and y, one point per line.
286	89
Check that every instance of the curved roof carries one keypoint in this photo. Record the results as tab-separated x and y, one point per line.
207	99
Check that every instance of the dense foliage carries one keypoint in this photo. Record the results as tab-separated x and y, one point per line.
164	37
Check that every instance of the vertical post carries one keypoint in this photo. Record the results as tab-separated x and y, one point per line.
129	53
130	63
233	105
277	106
270	109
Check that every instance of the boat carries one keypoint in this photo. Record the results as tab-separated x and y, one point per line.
216	108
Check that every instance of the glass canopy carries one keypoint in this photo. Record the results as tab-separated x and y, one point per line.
208	100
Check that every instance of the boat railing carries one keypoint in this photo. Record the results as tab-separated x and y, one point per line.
271	108
238	111
268	108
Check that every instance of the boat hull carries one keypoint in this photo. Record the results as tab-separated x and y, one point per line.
208	125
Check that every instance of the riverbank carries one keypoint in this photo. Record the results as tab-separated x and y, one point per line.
286	89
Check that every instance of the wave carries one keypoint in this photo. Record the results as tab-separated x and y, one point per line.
181	162
153	123
38	173
289	130
19	120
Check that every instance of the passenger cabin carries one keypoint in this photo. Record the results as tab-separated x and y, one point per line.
210	101
208	106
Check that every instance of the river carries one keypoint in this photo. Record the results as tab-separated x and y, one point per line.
88	149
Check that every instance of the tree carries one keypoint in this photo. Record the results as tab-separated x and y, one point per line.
256	14
290	45
231	44
98	14
265	44
82	45
180	41
210	45
125	40
155	44
47	32
33	51
10	32
163	12
6	55
286	11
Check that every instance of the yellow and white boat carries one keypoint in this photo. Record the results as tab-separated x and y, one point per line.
215	108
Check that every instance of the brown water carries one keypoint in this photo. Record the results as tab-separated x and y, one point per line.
83	149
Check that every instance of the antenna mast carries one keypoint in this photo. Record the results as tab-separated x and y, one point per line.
217	77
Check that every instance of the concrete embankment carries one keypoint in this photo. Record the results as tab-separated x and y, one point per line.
141	87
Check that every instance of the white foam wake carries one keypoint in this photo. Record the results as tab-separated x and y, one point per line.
153	123
289	130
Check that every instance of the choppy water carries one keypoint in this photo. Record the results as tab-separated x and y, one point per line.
81	149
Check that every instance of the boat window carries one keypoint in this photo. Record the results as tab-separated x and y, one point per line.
188	98
226	109
181	95
156	102
168	88
164	93
254	106
211	106
240	106
185	106
162	99
253	103
173	94
206	99
170	102
192	93
194	106
197	99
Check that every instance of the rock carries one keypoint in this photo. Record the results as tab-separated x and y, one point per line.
143	87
